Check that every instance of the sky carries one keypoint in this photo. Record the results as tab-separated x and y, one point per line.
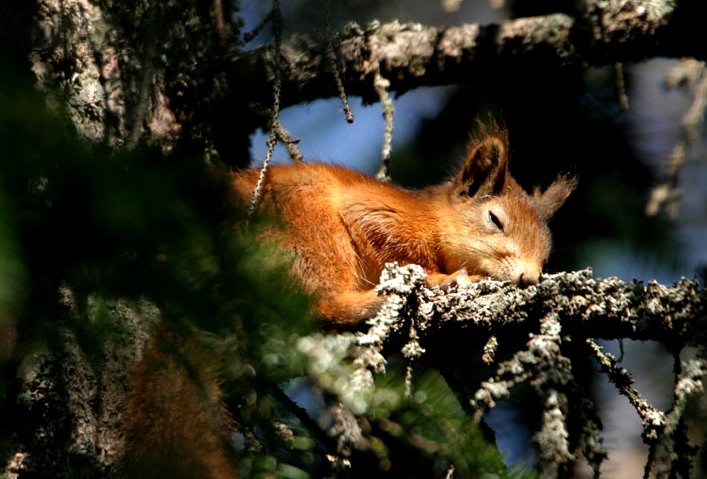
325	136
654	126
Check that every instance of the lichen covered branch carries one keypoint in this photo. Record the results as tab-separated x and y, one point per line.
412	54
571	306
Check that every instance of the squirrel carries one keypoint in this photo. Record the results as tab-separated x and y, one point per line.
344	226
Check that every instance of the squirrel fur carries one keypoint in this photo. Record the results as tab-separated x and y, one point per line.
344	226
175	424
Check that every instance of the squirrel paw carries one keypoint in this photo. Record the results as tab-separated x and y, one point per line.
460	279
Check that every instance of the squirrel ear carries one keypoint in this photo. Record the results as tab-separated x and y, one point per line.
485	167
554	196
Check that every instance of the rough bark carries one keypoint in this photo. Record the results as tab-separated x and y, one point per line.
121	88
414	55
565	311
70	406
138	72
605	308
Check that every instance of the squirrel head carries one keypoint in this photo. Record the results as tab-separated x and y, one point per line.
501	230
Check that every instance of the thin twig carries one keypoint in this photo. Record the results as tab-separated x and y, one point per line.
258	190
275	120
490	349
290	143
333	62
408	381
664	197
671	452
621	94
382	85
303	417
653	420
249	36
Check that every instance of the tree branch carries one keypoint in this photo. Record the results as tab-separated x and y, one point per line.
588	307
562	310
412	55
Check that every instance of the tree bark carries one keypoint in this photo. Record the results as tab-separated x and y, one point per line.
604	308
413	55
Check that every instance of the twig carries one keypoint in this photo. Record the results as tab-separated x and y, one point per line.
333	63
249	36
553	438
382	85
671	452
523	365
652	419
303	417
590	441
621	94
290	142
258	190
146	88
490	349
275	119
664	197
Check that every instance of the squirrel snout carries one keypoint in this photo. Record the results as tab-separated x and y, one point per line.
527	279
527	276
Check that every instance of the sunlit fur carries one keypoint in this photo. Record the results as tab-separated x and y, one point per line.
516	254
344	226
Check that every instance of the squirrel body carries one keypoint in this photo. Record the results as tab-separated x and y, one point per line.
343	226
175	424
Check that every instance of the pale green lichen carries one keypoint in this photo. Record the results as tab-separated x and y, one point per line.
414	312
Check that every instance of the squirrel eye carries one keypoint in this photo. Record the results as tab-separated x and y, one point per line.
494	219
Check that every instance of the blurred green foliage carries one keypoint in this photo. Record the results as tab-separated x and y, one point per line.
105	227
432	422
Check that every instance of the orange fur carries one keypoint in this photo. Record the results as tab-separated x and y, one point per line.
174	423
344	226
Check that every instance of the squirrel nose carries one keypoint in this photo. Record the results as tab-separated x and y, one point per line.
527	278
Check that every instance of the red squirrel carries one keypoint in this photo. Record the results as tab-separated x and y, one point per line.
344	226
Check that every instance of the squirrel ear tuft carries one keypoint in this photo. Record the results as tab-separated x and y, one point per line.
549	201
485	167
